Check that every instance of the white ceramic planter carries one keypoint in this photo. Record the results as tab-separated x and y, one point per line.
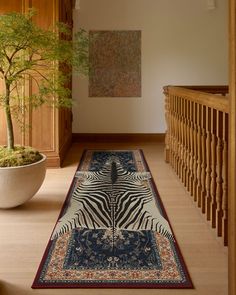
19	184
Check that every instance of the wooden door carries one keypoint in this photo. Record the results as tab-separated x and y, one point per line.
47	129
5	7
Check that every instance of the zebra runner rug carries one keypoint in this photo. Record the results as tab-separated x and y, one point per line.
112	231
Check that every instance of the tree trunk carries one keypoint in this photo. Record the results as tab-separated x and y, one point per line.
10	134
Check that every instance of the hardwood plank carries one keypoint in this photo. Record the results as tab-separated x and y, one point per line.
25	230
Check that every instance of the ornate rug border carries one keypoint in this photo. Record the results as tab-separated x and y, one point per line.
133	285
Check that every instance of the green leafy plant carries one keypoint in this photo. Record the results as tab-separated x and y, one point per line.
30	54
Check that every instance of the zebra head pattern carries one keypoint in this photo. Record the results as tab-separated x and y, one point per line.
115	199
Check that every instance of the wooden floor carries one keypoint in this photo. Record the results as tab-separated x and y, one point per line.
24	231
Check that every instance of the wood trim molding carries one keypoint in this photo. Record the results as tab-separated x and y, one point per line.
217	102
53	162
213	89
64	149
54	159
114	137
232	151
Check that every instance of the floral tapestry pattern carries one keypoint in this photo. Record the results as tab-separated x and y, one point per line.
115	64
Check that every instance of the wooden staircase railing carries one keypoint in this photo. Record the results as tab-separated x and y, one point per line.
196	146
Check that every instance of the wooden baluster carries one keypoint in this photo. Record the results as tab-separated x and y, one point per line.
167	117
173	131
179	106
195	152
208	163
225	180
178	135
191	163
203	163
198	156
213	168
170	129
188	148
219	179
181	133
185	143
174	134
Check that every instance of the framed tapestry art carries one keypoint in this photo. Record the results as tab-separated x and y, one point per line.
115	64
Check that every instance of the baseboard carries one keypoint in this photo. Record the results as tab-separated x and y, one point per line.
118	137
55	159
64	149
53	162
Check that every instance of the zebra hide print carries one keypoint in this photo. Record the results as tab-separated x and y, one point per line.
113	198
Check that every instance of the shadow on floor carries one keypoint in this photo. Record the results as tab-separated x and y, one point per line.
41	204
10	289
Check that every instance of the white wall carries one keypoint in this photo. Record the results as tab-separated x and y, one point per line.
182	43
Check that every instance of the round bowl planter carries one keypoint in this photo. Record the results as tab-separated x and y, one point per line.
21	183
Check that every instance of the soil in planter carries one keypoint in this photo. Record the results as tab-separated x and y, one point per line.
20	156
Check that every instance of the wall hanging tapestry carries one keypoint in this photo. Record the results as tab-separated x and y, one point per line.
113	230
115	64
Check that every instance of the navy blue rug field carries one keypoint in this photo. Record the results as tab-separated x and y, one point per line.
112	231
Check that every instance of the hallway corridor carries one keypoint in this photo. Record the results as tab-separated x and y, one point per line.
25	230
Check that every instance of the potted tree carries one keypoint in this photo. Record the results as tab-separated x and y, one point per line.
29	53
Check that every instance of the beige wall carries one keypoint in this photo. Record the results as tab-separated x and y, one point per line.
182	43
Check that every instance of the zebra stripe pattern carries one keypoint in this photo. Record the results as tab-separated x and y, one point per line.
113	198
